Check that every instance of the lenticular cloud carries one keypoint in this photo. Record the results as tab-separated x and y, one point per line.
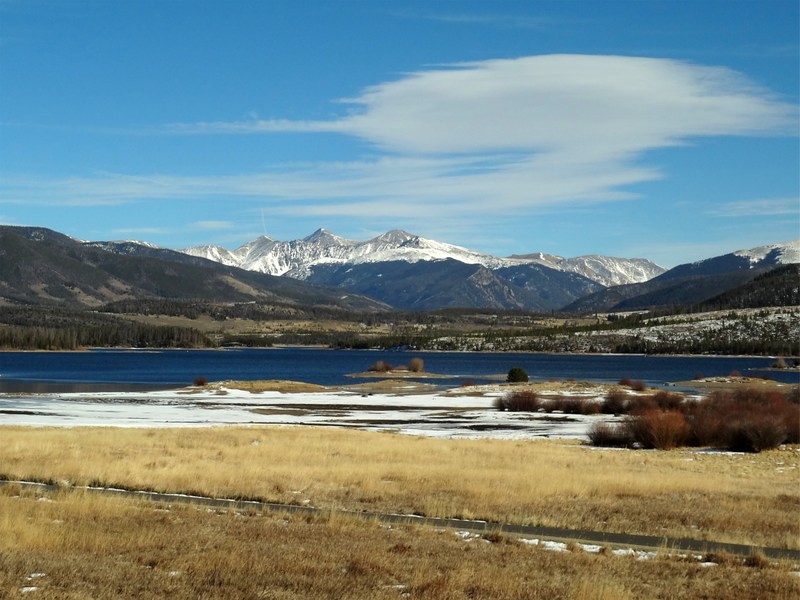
580	107
602	105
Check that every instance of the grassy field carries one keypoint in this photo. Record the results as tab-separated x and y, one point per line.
746	499
74	545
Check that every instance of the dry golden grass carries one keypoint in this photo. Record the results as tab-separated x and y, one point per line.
270	385
77	545
748	499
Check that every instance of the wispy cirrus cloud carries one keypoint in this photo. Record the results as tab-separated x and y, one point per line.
506	21
762	207
212	225
136	231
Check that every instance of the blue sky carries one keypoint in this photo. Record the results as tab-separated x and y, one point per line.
659	129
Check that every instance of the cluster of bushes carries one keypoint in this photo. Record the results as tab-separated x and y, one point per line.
620	402
746	420
530	401
415	365
636	385
381	367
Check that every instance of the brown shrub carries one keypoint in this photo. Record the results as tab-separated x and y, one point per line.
668	400
641	404
200	381
416	365
615	403
572	406
663	430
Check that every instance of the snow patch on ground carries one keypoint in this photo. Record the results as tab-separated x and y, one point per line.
426	414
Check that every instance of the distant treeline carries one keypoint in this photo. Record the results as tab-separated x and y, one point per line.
256	311
36	328
755	347
119	334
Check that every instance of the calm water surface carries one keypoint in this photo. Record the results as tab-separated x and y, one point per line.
104	370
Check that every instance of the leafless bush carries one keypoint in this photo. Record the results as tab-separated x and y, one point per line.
572	406
637	386
610	435
416	365
200	381
668	400
380	367
519	401
615	403
641	404
755	433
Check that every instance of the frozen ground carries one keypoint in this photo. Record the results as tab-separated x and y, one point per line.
437	414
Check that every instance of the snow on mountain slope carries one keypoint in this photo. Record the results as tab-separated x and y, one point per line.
786	253
296	258
603	269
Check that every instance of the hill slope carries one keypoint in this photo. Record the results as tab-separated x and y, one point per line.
41	266
698	282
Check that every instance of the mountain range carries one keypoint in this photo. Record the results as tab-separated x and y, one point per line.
414	273
396	270
298	258
410	272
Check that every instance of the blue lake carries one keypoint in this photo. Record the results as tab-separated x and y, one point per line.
64	371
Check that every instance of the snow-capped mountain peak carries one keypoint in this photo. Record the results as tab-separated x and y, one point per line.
323	237
297	258
395	236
